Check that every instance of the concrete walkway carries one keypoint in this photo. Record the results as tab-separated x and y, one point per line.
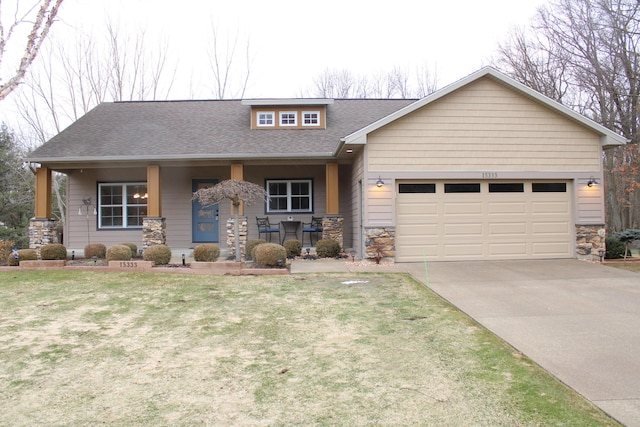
578	320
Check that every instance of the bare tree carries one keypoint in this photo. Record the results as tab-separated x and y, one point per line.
40	26
228	80
586	55
395	83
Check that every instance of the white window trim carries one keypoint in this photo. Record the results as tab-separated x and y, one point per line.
124	205
317	113
295	118
289	182
273	118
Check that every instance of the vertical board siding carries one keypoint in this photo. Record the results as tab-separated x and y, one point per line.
484	126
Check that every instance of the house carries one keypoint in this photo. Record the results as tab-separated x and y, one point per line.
484	169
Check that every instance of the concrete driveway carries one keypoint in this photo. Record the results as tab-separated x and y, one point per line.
578	320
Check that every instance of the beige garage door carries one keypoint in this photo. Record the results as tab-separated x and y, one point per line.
464	220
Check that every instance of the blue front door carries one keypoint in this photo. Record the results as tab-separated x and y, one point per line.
204	220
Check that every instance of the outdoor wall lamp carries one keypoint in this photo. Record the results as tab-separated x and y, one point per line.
592	181
379	182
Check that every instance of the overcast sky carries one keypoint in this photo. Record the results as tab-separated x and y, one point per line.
293	42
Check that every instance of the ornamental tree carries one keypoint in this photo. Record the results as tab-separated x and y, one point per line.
237	191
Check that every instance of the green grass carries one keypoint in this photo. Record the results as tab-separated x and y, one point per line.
81	348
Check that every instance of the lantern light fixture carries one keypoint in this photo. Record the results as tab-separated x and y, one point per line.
379	182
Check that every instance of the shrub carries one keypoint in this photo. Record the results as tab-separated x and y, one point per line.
614	248
293	247
270	255
6	248
207	252
251	244
95	250
160	254
23	255
133	247
327	248
53	251
119	253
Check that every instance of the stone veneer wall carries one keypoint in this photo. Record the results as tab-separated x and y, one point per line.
42	231
589	240
333	228
379	239
243	233
153	231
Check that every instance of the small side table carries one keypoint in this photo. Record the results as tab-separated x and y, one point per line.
290	228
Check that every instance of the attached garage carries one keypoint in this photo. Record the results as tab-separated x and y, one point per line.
483	220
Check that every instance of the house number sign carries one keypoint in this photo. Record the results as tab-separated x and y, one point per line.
489	175
128	264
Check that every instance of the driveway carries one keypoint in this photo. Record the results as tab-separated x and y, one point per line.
578	320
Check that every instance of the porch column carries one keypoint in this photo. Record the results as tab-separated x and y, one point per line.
237	173
153	225
43	193
154	202
332	189
42	225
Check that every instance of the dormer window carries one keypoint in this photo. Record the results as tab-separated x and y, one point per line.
311	118
288	118
266	118
290	114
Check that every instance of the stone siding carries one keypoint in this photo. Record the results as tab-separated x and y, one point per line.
589	241
42	231
153	231
243	233
333	228
380	242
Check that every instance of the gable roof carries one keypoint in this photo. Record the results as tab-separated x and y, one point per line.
608	137
202	130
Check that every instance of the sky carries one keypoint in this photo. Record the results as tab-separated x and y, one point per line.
293	42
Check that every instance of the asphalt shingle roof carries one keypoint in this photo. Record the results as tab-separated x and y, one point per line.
202	130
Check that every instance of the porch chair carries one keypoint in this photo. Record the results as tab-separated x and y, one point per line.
264	227
313	227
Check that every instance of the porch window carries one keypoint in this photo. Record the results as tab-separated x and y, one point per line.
289	196
122	205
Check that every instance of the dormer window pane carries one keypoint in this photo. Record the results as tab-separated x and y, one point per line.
311	118
265	119
288	118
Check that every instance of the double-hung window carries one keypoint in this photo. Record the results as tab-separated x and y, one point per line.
290	196
288	118
311	118
122	205
265	118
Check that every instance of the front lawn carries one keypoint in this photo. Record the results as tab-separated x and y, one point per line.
83	348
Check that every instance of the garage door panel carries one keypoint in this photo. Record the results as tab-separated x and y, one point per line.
549	249
502	208
546	207
508	229
463	229
463	250
546	228
517	249
463	208
477	226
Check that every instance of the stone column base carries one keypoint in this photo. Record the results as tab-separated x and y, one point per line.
42	231
243	233
333	228
153	231
379	242
590	240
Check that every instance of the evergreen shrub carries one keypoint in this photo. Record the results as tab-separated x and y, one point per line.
95	250
328	248
207	252
119	253
270	255
53	251
160	254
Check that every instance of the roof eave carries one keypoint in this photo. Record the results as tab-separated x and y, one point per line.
201	157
